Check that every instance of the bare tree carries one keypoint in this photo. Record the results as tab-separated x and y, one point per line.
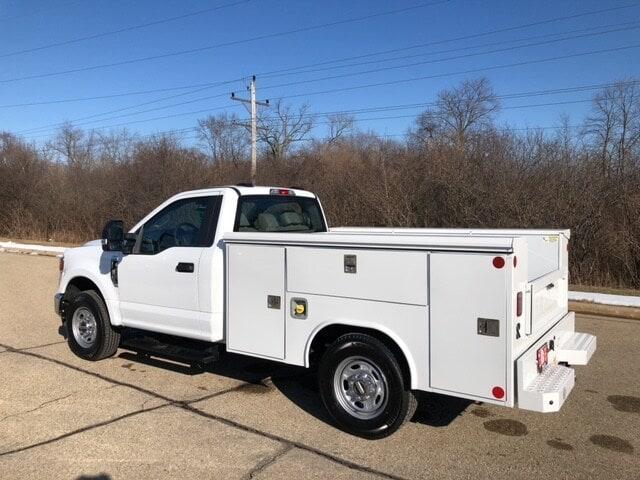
459	112
614	124
282	126
340	125
115	147
74	146
225	137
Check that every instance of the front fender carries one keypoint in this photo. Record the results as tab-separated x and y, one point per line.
91	263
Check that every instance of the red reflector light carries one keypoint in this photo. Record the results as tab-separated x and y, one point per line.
519	304
515	261
281	191
498	262
498	392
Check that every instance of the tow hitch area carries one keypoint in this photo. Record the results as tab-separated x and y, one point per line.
544	384
548	391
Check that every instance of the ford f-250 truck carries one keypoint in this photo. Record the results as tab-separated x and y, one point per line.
382	313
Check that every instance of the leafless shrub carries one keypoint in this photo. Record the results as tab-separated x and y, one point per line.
466	174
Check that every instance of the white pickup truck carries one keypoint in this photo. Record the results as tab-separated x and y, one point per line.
382	313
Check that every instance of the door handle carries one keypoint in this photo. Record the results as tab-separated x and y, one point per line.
185	267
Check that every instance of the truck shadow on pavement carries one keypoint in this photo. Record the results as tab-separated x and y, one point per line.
298	385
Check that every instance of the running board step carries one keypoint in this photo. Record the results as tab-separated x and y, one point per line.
187	352
575	348
548	390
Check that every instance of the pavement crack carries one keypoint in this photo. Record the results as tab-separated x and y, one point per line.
42	405
18	350
292	443
176	403
88	372
268	461
189	408
41	346
81	430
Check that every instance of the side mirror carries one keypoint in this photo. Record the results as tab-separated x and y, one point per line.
113	236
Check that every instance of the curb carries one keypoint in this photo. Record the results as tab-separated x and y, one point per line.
43	253
590	308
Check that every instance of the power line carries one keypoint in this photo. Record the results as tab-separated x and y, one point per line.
463	37
122	30
265	74
320	79
139	105
457	57
371	110
440	75
173	115
624	27
579	88
113	95
224	44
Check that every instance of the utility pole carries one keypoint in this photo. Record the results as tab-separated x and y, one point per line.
254	124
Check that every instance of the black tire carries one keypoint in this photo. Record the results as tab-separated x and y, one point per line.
400	401
107	339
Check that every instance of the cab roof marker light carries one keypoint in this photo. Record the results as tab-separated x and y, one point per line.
281	191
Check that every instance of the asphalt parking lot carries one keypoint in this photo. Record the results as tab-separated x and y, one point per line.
125	417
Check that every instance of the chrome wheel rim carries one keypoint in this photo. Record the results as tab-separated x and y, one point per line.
84	327
360	387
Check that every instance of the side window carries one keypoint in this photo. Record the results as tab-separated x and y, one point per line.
189	222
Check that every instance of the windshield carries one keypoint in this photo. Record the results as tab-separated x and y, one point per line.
279	213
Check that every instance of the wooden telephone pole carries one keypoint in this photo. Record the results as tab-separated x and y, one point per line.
254	124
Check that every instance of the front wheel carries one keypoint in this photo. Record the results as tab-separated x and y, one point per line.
89	331
362	387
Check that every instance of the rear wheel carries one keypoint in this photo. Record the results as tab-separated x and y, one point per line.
89	331
363	388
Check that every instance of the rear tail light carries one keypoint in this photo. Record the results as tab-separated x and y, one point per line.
498	262
281	191
498	392
519	304
61	264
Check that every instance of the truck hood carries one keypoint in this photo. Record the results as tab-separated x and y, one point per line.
93	243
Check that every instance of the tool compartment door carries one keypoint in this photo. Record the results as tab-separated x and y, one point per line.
255	300
468	326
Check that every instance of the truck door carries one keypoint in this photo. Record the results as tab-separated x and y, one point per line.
468	325
158	283
255	300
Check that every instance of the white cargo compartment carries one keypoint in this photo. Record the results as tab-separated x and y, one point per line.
255	281
381	275
546	249
467	289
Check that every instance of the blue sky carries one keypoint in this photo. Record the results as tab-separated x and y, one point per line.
30	24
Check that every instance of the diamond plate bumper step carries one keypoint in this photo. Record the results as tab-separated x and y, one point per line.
548	391
575	348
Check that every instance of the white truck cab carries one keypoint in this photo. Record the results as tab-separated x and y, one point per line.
478	314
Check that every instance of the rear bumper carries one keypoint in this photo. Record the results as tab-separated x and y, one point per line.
547	390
